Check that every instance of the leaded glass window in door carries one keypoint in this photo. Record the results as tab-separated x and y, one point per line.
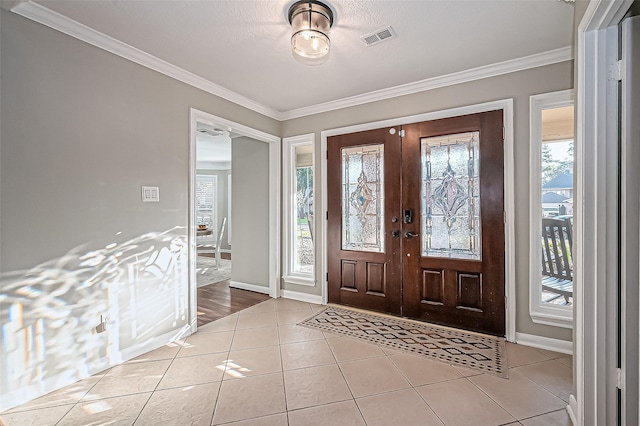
363	198
450	196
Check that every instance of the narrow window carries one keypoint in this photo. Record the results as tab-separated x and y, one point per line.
551	208
299	223
207	207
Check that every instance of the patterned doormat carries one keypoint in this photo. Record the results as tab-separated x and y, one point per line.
460	348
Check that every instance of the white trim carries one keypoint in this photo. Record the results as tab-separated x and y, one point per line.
275	213
229	209
212	249
299	280
509	195
38	13
572	409
513	65
590	243
41	14
547	343
214	165
250	287
510	221
542	313
39	388
197	116
289	146
302	297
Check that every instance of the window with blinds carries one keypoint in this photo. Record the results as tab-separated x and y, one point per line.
207	203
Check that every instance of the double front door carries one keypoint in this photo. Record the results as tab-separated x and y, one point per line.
416	221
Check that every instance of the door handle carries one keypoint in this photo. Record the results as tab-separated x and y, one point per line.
395	233
408	235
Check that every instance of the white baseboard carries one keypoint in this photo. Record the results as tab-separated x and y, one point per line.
302	297
572	408
156	342
250	287
29	392
211	250
556	345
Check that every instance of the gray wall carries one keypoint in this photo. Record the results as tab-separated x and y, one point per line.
250	211
82	130
519	86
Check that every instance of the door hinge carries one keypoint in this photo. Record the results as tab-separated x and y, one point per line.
615	71
504	133
619	378
327	153
327	277
504	216
401	133
327	215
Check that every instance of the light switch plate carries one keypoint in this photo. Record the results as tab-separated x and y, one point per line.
150	194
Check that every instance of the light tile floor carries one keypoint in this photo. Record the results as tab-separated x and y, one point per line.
259	368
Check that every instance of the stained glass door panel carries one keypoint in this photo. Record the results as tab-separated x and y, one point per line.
363	198
450	196
453	263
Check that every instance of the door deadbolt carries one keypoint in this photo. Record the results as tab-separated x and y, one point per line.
395	233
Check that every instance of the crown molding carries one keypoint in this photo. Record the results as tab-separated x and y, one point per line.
519	64
48	17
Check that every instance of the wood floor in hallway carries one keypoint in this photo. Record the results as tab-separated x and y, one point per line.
218	300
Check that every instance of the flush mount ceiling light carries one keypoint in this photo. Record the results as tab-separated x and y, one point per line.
310	22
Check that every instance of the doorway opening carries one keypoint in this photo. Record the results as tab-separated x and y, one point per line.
233	202
213	220
506	106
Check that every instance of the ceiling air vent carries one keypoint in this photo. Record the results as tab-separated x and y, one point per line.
378	36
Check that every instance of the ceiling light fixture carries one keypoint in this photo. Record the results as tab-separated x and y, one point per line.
311	22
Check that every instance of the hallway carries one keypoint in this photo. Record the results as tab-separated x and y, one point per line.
257	367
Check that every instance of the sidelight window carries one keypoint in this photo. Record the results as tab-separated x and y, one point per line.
551	208
298	181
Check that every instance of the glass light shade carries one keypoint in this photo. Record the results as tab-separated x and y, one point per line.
310	25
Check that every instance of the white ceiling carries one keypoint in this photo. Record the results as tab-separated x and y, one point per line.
243	45
215	149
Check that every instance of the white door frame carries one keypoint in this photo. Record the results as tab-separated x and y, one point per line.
595	248
197	116
509	191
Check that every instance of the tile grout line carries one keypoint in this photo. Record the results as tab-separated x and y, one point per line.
526	378
543	414
157	384
284	383
85	394
215	406
539	384
345	380
430	407
495	402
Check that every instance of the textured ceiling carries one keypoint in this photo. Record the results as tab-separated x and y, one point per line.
243	45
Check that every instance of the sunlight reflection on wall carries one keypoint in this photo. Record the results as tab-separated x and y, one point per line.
50	312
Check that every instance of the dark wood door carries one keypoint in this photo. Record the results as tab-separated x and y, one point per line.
363	179
453	175
416	223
